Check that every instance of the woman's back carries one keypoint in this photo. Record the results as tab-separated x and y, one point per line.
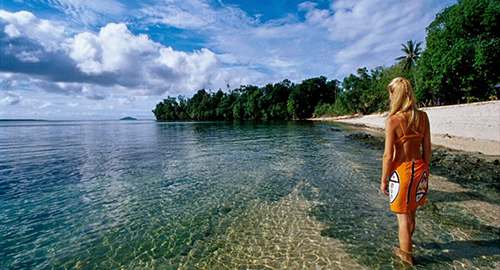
408	139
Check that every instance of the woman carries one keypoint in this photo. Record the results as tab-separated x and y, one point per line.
406	157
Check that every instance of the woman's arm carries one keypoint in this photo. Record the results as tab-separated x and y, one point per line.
426	142
390	137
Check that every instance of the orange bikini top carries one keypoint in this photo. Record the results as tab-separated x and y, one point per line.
405	136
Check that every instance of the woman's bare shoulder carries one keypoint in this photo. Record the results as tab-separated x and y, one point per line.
423	114
392	121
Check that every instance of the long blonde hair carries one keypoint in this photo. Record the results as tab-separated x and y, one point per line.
403	101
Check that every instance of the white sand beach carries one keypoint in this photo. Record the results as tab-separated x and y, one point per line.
473	127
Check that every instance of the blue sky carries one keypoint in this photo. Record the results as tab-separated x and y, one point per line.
106	59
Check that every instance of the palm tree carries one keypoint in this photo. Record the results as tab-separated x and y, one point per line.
412	51
410	60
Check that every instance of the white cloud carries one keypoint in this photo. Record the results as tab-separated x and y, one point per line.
370	32
112	58
308	5
88	12
10	99
177	16
36	103
24	23
29	56
45	105
334	41
114	49
138	63
195	68
12	31
93	94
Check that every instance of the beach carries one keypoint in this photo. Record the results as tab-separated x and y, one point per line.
473	127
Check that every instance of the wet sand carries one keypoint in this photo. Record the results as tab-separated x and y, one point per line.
486	212
465	250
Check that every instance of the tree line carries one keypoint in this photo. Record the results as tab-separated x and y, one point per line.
284	100
459	65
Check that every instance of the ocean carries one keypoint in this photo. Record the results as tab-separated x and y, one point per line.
212	195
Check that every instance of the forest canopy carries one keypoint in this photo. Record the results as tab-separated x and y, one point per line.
459	64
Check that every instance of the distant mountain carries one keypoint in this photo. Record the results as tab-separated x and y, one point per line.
128	118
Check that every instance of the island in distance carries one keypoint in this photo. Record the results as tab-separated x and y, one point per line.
128	118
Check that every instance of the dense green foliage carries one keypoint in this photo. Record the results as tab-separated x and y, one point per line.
364	93
283	100
460	64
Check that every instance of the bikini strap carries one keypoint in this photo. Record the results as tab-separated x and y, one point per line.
401	125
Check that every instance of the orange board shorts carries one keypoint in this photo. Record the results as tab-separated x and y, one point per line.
408	185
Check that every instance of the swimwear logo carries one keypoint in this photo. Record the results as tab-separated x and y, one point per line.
422	187
394	186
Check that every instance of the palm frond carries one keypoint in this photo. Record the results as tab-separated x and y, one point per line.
412	53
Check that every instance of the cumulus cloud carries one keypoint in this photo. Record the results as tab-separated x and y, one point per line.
112	57
114	49
25	24
139	63
38	48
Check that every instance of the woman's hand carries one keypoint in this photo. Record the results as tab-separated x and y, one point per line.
383	187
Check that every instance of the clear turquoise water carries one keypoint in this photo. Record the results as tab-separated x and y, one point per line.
169	195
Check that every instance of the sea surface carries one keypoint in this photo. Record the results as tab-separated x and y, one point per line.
215	195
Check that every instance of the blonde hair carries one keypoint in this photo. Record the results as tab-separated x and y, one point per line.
403	101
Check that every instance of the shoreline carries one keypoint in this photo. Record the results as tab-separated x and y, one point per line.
473	127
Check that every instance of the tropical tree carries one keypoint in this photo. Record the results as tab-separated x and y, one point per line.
409	61
460	63
305	97
277	98
412	52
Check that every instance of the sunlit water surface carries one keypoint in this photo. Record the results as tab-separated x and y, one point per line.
211	195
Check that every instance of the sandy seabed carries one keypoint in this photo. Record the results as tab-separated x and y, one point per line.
282	236
471	127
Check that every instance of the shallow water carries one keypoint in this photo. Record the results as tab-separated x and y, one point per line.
215	195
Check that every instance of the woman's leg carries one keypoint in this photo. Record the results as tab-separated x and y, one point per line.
412	222
406	228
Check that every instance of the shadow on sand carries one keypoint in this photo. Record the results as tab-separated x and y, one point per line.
458	250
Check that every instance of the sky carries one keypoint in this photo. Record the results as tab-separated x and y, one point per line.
108	59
